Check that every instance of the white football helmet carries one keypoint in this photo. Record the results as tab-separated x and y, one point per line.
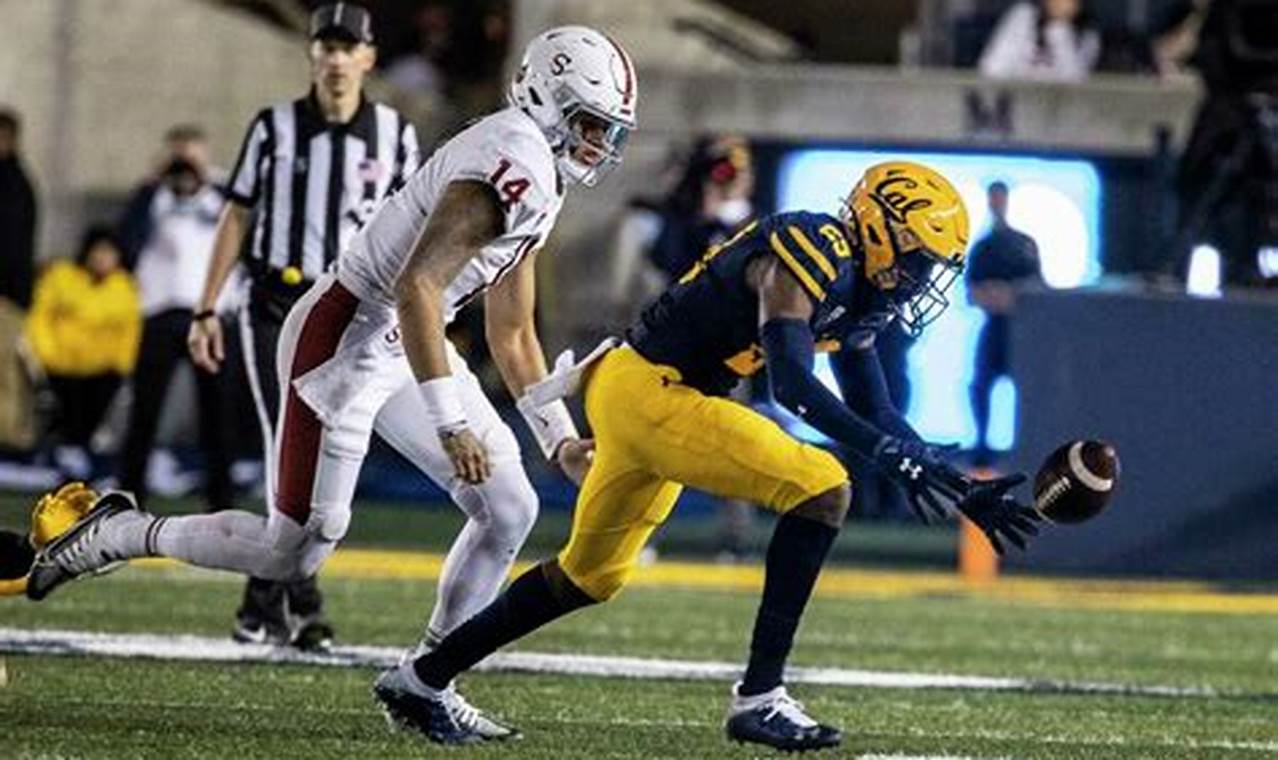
580	87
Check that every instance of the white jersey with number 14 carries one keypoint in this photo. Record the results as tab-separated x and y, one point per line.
506	150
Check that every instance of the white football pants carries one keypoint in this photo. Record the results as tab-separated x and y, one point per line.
343	375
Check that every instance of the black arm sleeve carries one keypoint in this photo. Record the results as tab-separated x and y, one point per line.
860	377
789	347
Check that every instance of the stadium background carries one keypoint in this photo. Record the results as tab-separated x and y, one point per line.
817	92
1115	349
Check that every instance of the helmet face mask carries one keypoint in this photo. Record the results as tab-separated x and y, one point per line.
593	145
912	227
922	280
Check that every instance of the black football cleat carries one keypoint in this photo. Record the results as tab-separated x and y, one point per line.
86	548
775	719
444	718
314	636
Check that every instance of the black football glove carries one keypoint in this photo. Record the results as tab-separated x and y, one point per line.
997	512
922	472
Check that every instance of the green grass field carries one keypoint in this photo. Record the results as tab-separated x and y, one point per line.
99	707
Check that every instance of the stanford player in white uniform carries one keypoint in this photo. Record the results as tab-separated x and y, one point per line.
365	349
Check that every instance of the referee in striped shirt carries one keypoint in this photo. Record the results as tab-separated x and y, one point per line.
309	174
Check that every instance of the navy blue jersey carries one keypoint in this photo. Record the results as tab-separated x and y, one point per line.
706	324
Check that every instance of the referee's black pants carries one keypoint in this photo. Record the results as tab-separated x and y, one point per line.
163	349
270	602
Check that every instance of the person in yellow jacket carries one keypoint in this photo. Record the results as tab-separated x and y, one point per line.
51	517
84	328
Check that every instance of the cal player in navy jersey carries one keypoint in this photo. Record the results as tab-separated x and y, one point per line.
769	296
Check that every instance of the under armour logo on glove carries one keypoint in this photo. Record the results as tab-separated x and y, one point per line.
929	482
911	470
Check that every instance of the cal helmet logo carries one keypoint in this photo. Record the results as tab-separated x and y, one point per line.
893	196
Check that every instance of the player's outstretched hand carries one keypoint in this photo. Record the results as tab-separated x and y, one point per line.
920	469
574	458
468	455
204	341
998	514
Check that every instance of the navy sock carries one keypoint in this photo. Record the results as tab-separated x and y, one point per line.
527	604
795	555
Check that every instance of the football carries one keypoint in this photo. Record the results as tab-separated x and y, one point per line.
1076	481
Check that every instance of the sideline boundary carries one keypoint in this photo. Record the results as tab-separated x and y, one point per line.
206	649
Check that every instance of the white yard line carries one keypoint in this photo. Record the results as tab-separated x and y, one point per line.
205	649
917	757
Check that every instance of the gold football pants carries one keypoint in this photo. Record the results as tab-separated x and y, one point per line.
654	435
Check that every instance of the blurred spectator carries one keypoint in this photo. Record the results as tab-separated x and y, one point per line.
182	165
83	328
17	217
711	197
170	223
1000	262
421	70
1176	41
1227	186
446	60
474	59
1047	39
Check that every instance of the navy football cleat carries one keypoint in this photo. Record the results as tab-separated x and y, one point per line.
775	719
444	717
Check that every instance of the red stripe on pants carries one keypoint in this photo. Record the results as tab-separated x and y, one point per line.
300	435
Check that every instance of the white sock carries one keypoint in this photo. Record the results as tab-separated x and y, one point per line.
125	534
474	571
502	511
228	540
414	683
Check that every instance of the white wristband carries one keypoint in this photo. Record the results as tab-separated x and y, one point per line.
551	424
444	412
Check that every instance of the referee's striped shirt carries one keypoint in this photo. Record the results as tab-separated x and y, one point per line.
313	184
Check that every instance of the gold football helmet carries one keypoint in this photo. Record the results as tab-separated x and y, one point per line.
913	229
56	512
53	515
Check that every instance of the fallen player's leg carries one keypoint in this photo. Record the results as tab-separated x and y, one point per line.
115	530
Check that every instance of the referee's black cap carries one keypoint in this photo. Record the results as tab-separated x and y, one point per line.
347	21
